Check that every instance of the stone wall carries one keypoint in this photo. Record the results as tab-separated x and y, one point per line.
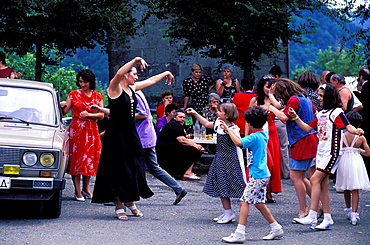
162	55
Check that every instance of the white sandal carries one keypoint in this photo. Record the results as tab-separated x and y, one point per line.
138	212
121	211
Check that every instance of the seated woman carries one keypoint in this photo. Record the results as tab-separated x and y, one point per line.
168	111
176	154
210	111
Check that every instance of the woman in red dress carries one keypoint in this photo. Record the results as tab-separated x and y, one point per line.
84	139
273	145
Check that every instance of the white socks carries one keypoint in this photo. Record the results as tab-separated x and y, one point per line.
275	226
228	213
327	216
312	214
240	229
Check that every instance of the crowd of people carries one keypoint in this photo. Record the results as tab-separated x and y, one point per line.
267	130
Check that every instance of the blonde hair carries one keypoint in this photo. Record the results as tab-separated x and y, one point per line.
196	67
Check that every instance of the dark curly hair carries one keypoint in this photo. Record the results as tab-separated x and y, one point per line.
354	118
2	57
170	107
88	76
328	76
256	116
308	79
276	70
331	98
261	83
247	83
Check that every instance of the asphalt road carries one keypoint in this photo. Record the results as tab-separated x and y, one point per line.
190	222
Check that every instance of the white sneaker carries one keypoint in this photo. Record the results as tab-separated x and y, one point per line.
226	220
274	234
218	218
234	238
306	220
354	218
325	225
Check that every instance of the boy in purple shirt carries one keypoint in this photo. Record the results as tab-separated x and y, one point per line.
259	175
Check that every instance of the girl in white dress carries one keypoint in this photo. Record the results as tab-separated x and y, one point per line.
226	176
351	171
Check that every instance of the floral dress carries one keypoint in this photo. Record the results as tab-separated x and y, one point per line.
84	140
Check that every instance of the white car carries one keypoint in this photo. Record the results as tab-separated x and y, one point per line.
33	144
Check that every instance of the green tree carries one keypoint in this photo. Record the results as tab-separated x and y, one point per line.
359	12
63	78
38	27
343	61
328	33
236	31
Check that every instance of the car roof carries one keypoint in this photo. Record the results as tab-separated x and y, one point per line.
26	84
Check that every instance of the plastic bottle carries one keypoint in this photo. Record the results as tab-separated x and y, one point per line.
202	132
196	130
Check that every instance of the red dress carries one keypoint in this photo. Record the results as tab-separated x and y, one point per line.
242	100
84	142
273	156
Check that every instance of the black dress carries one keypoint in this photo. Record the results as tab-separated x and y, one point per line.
121	171
172	156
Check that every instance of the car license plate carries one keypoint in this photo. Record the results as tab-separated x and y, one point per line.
4	182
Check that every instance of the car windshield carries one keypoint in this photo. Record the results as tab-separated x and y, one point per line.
27	105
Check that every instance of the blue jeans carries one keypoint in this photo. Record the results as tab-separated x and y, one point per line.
158	172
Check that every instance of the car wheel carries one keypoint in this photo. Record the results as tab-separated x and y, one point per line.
52	207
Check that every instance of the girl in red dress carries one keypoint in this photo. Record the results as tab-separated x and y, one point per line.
273	145
84	139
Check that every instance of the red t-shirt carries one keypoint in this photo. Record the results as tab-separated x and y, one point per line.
242	101
160	110
306	147
5	73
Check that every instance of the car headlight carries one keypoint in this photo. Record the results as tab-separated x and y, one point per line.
47	159
29	158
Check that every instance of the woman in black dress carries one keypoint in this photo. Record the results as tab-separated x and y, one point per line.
121	172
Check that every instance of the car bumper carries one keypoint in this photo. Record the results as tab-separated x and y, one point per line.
31	188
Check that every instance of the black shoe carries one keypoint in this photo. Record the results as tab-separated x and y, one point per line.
110	204
180	197
268	200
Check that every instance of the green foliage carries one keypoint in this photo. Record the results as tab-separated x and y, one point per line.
328	33
63	78
28	26
236	31
358	11
344	61
95	59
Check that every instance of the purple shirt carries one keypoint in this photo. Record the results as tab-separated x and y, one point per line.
145	126
160	123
